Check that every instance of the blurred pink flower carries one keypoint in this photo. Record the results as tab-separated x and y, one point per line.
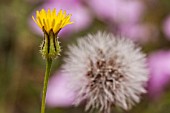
80	15
159	64
138	32
166	27
123	17
58	93
119	11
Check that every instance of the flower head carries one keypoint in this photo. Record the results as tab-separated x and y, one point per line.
106	71
49	20
51	23
82	17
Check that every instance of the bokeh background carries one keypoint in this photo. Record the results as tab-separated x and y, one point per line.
147	22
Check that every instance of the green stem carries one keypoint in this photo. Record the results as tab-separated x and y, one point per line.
47	73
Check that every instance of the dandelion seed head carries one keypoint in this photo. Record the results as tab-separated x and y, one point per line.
106	71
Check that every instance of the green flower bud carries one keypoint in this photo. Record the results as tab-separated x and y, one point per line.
50	47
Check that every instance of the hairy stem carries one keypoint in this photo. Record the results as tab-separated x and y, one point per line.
47	73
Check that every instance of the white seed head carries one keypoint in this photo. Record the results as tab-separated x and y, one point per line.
106	71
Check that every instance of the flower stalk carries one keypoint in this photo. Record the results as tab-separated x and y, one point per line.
47	74
50	23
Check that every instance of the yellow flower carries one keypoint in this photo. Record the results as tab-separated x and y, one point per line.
50	20
51	23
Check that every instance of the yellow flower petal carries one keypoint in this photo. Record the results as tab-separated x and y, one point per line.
48	20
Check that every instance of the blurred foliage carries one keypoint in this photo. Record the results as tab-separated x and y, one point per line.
22	67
